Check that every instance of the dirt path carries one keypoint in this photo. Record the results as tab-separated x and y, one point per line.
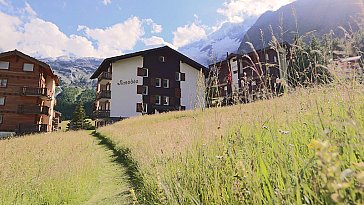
114	183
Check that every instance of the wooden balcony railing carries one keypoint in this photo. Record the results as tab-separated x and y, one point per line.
104	94
105	76
100	114
31	91
33	109
32	128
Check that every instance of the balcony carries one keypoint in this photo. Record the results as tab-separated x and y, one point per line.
37	92
101	114
30	109
32	128
104	77
104	95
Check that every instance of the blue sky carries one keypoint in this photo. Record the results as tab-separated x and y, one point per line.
101	28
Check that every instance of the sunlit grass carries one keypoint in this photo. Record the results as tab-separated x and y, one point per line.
58	168
252	154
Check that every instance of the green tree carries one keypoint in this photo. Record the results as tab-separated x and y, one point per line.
68	98
79	121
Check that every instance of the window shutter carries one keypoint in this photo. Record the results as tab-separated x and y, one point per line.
153	82
178	92
140	72
139	89
153	99
183	76
139	107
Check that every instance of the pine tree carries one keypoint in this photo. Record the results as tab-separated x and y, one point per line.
79	121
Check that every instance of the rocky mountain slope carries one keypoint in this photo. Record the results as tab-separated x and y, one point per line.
302	16
74	71
215	46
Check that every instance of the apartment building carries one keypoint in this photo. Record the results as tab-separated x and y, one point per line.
27	88
147	82
244	76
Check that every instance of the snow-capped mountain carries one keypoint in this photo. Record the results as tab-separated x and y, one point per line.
217	44
74	71
318	17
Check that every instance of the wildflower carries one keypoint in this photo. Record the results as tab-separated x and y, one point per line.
219	156
283	132
313	143
346	173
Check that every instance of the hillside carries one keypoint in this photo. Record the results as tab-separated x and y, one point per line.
60	168
303	16
303	148
74	71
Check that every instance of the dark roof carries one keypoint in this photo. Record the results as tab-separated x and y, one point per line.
31	59
106	63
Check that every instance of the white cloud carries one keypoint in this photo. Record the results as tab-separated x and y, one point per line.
9	31
156	28
4	2
156	41
237	10
117	38
188	34
29	10
106	2
27	32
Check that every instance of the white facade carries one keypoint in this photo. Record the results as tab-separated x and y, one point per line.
192	94
234	74
124	87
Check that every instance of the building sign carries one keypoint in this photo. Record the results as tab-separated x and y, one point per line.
127	82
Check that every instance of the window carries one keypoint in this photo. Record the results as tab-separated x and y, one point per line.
180	76
2	100
267	57
275	59
1	118
165	100
145	108
162	59
142	89
4	65
3	83
142	107
28	67
145	90
142	72
165	83
158	99
158	82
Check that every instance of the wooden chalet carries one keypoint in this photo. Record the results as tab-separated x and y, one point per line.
27	95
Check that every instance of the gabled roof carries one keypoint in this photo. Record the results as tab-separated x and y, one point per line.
33	60
106	63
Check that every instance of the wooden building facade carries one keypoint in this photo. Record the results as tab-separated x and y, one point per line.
27	95
246	77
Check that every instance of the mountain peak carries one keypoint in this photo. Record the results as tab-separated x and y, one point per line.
303	16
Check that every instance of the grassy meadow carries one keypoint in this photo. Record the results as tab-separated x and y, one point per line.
59	168
306	147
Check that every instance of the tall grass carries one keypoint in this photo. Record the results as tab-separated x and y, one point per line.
297	149
306	147
54	168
